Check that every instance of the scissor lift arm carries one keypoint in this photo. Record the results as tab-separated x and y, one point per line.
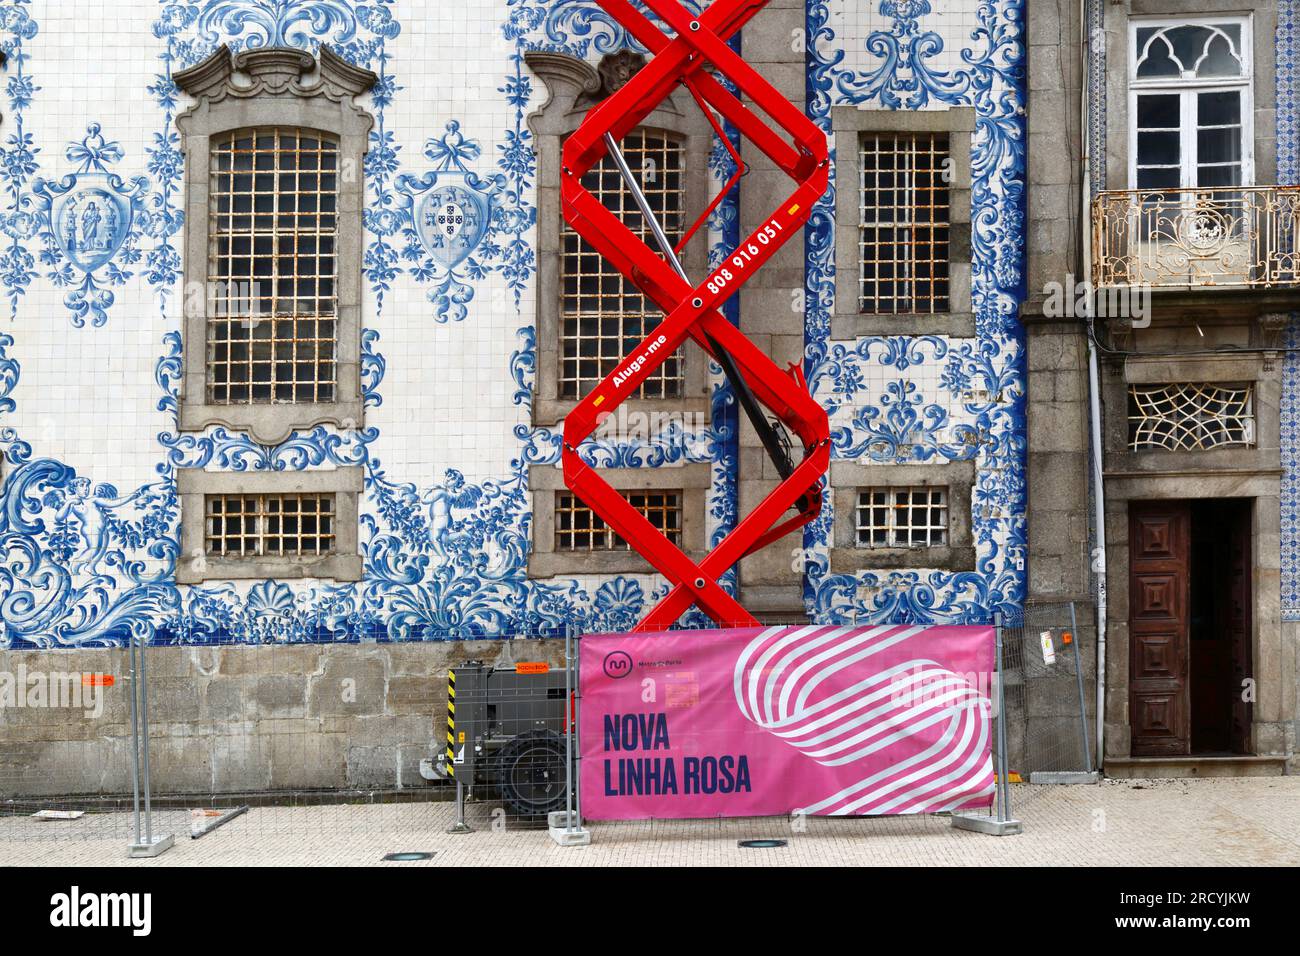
694	311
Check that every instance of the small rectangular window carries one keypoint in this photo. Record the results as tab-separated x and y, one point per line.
272	324
602	315
915	517
905	223
1190	416
578	528
270	524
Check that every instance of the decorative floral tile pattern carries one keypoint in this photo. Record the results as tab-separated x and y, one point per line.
90	268
1288	171
974	407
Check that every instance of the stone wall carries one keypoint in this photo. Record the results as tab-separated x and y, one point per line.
1060	564
1057	361
770	587
1291	653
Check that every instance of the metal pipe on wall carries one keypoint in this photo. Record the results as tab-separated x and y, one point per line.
1096	448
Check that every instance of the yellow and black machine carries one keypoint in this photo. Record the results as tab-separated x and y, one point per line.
505	734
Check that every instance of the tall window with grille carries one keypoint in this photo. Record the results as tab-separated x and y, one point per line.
603	315
904	223
272	331
578	528
913	517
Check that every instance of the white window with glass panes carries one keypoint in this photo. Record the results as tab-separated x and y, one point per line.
1191	98
1191	157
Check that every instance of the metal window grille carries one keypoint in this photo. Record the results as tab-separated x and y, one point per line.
904	223
1190	416
578	528
603	315
251	525
272	330
902	517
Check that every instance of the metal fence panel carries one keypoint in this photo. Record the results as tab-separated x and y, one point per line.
1049	660
286	741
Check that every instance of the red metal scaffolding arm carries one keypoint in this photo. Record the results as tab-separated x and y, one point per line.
693	311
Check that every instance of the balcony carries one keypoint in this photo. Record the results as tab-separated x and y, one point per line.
1237	237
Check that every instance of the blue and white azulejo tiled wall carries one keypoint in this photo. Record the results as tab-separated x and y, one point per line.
921	399
1288	172
90	352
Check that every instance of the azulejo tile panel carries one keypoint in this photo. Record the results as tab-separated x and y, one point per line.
974	407
1288	169
92	225
445	548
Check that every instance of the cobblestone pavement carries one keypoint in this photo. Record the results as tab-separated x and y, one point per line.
1119	822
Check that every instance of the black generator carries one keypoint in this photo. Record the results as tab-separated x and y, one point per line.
505	735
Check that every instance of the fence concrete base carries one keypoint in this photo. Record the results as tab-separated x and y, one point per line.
985	824
1064	777
160	845
561	825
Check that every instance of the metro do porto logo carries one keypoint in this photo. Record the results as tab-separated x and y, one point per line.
618	664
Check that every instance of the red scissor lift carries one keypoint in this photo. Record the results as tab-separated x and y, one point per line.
693	310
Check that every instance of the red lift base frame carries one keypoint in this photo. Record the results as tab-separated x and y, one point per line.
694	312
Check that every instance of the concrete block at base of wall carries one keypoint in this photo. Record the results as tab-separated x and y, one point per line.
239	763
372	766
309	760
223	698
280	695
1275	737
348	684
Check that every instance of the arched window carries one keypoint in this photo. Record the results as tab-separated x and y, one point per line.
1191	104
589	317
272	330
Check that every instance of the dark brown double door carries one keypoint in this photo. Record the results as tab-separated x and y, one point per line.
1189	627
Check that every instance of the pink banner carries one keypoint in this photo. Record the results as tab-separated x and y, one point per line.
765	721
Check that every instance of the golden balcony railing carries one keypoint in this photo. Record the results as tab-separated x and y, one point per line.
1194	238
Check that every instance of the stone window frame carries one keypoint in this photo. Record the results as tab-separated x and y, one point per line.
848	124
1263	27
195	565
1224	427
278	87
694	481
1259	370
1253	474
574	86
848	478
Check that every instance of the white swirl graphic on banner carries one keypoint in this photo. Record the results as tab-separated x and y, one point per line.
786	682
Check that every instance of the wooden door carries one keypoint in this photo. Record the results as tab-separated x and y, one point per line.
1159	545
1238	625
